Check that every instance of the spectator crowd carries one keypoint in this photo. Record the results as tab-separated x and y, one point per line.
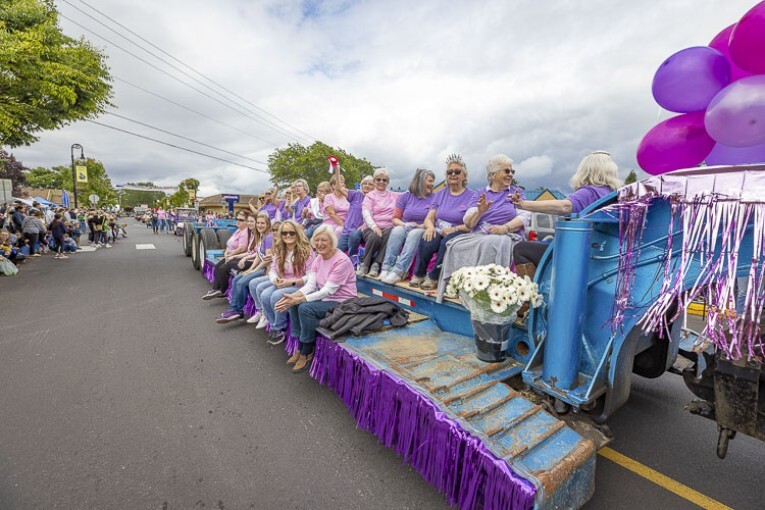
28	231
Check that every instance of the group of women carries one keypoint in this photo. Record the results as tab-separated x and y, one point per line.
297	256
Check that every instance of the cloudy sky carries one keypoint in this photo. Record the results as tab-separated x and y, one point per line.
401	83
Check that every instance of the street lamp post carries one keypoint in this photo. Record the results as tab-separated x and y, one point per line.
74	172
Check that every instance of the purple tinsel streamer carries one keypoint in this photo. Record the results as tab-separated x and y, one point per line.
448	457
714	228
208	270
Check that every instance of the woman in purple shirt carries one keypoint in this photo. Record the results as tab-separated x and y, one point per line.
595	178
408	219
443	222
350	238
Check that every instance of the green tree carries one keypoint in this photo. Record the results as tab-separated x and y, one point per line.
631	177
180	198
190	183
13	169
310	163
134	197
45	178
47	79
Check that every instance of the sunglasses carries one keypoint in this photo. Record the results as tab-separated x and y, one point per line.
289	233
453	172
241	219
509	171
381	179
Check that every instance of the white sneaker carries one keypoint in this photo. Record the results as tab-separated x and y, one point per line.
384	274
108	245
262	323
255	318
392	278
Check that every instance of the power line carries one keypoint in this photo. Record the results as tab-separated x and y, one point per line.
168	74
198	72
259	118
183	137
177	146
186	107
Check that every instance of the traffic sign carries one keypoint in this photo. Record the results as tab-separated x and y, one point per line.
93	198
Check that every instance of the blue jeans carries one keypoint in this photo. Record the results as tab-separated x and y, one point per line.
256	290
349	243
399	259
425	253
270	296
239	286
305	318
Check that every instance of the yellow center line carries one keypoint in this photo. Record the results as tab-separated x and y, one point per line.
661	480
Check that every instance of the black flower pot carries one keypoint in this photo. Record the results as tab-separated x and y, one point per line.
491	341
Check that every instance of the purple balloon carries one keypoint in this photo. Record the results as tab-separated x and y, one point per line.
724	155
679	142
747	42
736	116
721	43
688	80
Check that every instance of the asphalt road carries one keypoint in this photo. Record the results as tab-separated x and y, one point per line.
118	390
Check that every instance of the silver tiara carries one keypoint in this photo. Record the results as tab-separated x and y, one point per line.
455	158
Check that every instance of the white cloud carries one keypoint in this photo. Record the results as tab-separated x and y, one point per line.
401	83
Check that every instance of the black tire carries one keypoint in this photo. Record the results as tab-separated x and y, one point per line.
188	232
195	251
224	235
207	241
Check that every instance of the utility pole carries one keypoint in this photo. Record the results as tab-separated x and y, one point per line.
74	172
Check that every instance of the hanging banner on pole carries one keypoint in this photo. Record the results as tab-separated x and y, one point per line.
82	174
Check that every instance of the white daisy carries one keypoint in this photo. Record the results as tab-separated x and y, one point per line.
480	282
498	306
496	293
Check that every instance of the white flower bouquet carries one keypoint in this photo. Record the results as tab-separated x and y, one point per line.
493	293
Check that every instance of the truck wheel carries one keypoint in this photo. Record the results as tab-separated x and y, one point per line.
223	236
195	251
207	241
188	233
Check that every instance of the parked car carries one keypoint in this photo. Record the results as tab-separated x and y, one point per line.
542	227
138	214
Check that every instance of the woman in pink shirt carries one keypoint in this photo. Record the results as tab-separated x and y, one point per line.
336	204
331	280
377	209
236	252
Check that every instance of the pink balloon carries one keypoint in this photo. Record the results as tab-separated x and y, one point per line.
736	116
747	42
721	43
724	155
679	142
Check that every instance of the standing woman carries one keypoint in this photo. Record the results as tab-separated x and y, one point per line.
443	222
250	267
292	258
236	248
377	210
330	281
411	209
57	230
336	204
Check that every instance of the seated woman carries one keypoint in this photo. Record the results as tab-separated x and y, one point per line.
377	210
292	258
251	267
301	199
595	177
494	222
314	215
330	280
350	238
408	219
8	248
236	248
443	222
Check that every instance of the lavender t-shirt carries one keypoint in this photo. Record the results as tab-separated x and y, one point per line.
451	208
270	209
299	205
585	196
266	244
501	210
415	209
354	219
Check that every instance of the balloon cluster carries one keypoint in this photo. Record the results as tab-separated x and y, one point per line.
720	91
